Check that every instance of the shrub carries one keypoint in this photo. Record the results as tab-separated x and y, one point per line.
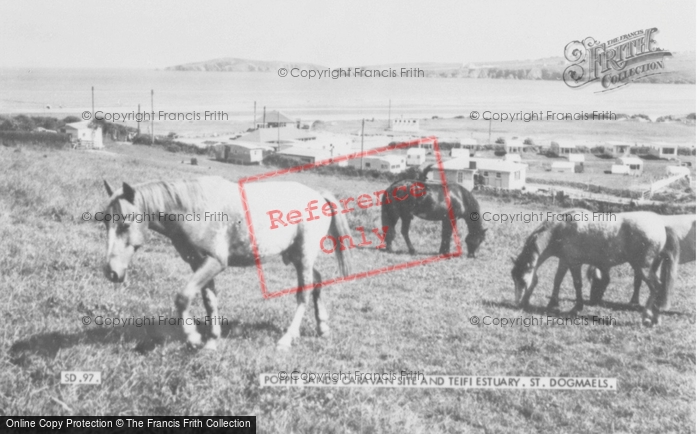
52	140
500	141
71	119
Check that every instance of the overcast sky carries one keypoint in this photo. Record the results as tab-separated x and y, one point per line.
156	34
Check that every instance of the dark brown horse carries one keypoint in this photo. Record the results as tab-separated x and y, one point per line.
576	237
429	203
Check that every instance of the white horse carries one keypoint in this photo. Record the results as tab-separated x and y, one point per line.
191	213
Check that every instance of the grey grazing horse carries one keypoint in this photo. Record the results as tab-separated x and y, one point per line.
683	226
189	213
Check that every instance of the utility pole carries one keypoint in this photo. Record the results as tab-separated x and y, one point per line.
93	102
255	112
362	146
138	121
153	132
489	131
389	126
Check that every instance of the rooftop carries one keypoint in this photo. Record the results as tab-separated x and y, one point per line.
275	117
249	145
498	165
459	163
630	160
272	135
306	152
80	125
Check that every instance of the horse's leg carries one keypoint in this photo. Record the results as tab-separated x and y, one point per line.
446	237
209	296
558	278
389	220
205	273
637	286
319	307
650	316
305	273
598	286
639	276
405	226
578	285
211	304
528	292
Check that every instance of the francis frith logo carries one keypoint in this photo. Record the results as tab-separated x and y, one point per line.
617	62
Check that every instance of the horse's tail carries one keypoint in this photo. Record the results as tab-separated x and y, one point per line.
339	227
669	256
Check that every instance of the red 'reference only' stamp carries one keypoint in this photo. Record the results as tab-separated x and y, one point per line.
365	237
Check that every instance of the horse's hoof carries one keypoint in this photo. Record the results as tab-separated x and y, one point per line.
285	343
324	331
194	340
412	251
578	307
211	345
283	347
647	322
552	306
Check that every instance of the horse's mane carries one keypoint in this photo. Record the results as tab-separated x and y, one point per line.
531	246
168	196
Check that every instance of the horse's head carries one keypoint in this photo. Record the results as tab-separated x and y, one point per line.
474	240
524	275
125	231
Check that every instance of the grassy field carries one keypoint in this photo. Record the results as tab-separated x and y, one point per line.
416	319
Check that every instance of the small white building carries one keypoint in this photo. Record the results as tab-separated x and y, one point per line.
309	155
242	152
401	124
562	148
513	147
335	144
460	170
84	134
563	166
459	152
384	163
468	143
664	150
617	148
415	156
501	173
677	170
282	135
274	119
628	166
